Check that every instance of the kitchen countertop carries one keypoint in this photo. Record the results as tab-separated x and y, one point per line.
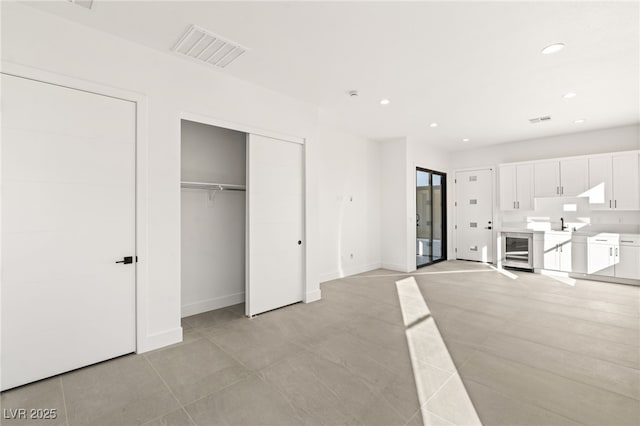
588	231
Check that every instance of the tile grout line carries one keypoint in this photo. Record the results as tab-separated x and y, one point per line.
484	351
170	391
537	312
525	295
488	293
64	401
527	402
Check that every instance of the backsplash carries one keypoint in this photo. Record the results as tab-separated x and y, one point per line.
575	211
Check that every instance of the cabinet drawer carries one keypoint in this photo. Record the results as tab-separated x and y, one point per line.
629	240
604	239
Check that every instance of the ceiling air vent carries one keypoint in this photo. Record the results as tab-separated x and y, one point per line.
540	119
84	3
207	47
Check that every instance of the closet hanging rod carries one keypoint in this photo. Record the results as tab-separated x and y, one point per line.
212	186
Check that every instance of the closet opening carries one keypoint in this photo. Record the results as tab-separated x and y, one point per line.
213	217
431	219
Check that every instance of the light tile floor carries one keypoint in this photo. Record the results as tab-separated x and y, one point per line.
527	351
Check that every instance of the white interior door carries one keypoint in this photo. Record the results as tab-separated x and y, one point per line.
68	214
275	237
474	215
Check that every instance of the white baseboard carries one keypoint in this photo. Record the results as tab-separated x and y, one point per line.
393	267
329	276
159	340
211	304
348	271
313	296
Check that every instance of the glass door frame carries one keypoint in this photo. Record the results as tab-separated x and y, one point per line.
443	207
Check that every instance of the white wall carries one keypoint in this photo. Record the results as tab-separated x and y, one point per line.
421	154
400	157
172	86
624	138
394	205
349	191
213	222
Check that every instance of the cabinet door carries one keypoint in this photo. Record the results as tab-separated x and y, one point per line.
524	187
546	179
574	177
578	258
600	259
507	187
564	256
628	262
551	258
626	184
600	197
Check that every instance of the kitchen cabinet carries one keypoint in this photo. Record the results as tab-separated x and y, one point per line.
579	255
602	254
516	187
557	252
628	265
561	178
614	182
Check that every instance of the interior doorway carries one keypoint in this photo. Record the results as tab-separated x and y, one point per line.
431	219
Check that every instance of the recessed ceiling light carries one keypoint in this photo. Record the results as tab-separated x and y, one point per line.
433	125
553	48
385	102
465	140
569	95
579	121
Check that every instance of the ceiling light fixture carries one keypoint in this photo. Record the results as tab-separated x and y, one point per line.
579	121
433	125
465	140
385	102
553	48
569	95
353	93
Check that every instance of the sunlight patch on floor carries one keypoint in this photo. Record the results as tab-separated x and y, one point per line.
441	393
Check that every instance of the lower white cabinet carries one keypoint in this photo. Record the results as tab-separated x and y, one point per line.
579	255
628	265
614	255
557	252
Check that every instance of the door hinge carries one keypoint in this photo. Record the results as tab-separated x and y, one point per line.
456	226
456	249
456	204
455	181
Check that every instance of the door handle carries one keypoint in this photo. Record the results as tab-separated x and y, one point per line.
610	251
487	227
299	242
616	251
127	260
557	190
615	204
609	203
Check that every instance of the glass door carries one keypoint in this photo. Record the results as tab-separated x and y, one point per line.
431	244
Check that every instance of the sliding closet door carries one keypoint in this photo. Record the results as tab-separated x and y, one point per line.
275	243
68	215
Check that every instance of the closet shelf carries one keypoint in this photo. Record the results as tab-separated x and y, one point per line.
213	186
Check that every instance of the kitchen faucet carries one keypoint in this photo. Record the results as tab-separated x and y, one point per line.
562	226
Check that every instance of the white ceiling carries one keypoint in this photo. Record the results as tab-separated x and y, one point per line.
475	68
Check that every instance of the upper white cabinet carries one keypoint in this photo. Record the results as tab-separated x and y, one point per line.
574	177
561	178
610	181
614	182
546	178
516	187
